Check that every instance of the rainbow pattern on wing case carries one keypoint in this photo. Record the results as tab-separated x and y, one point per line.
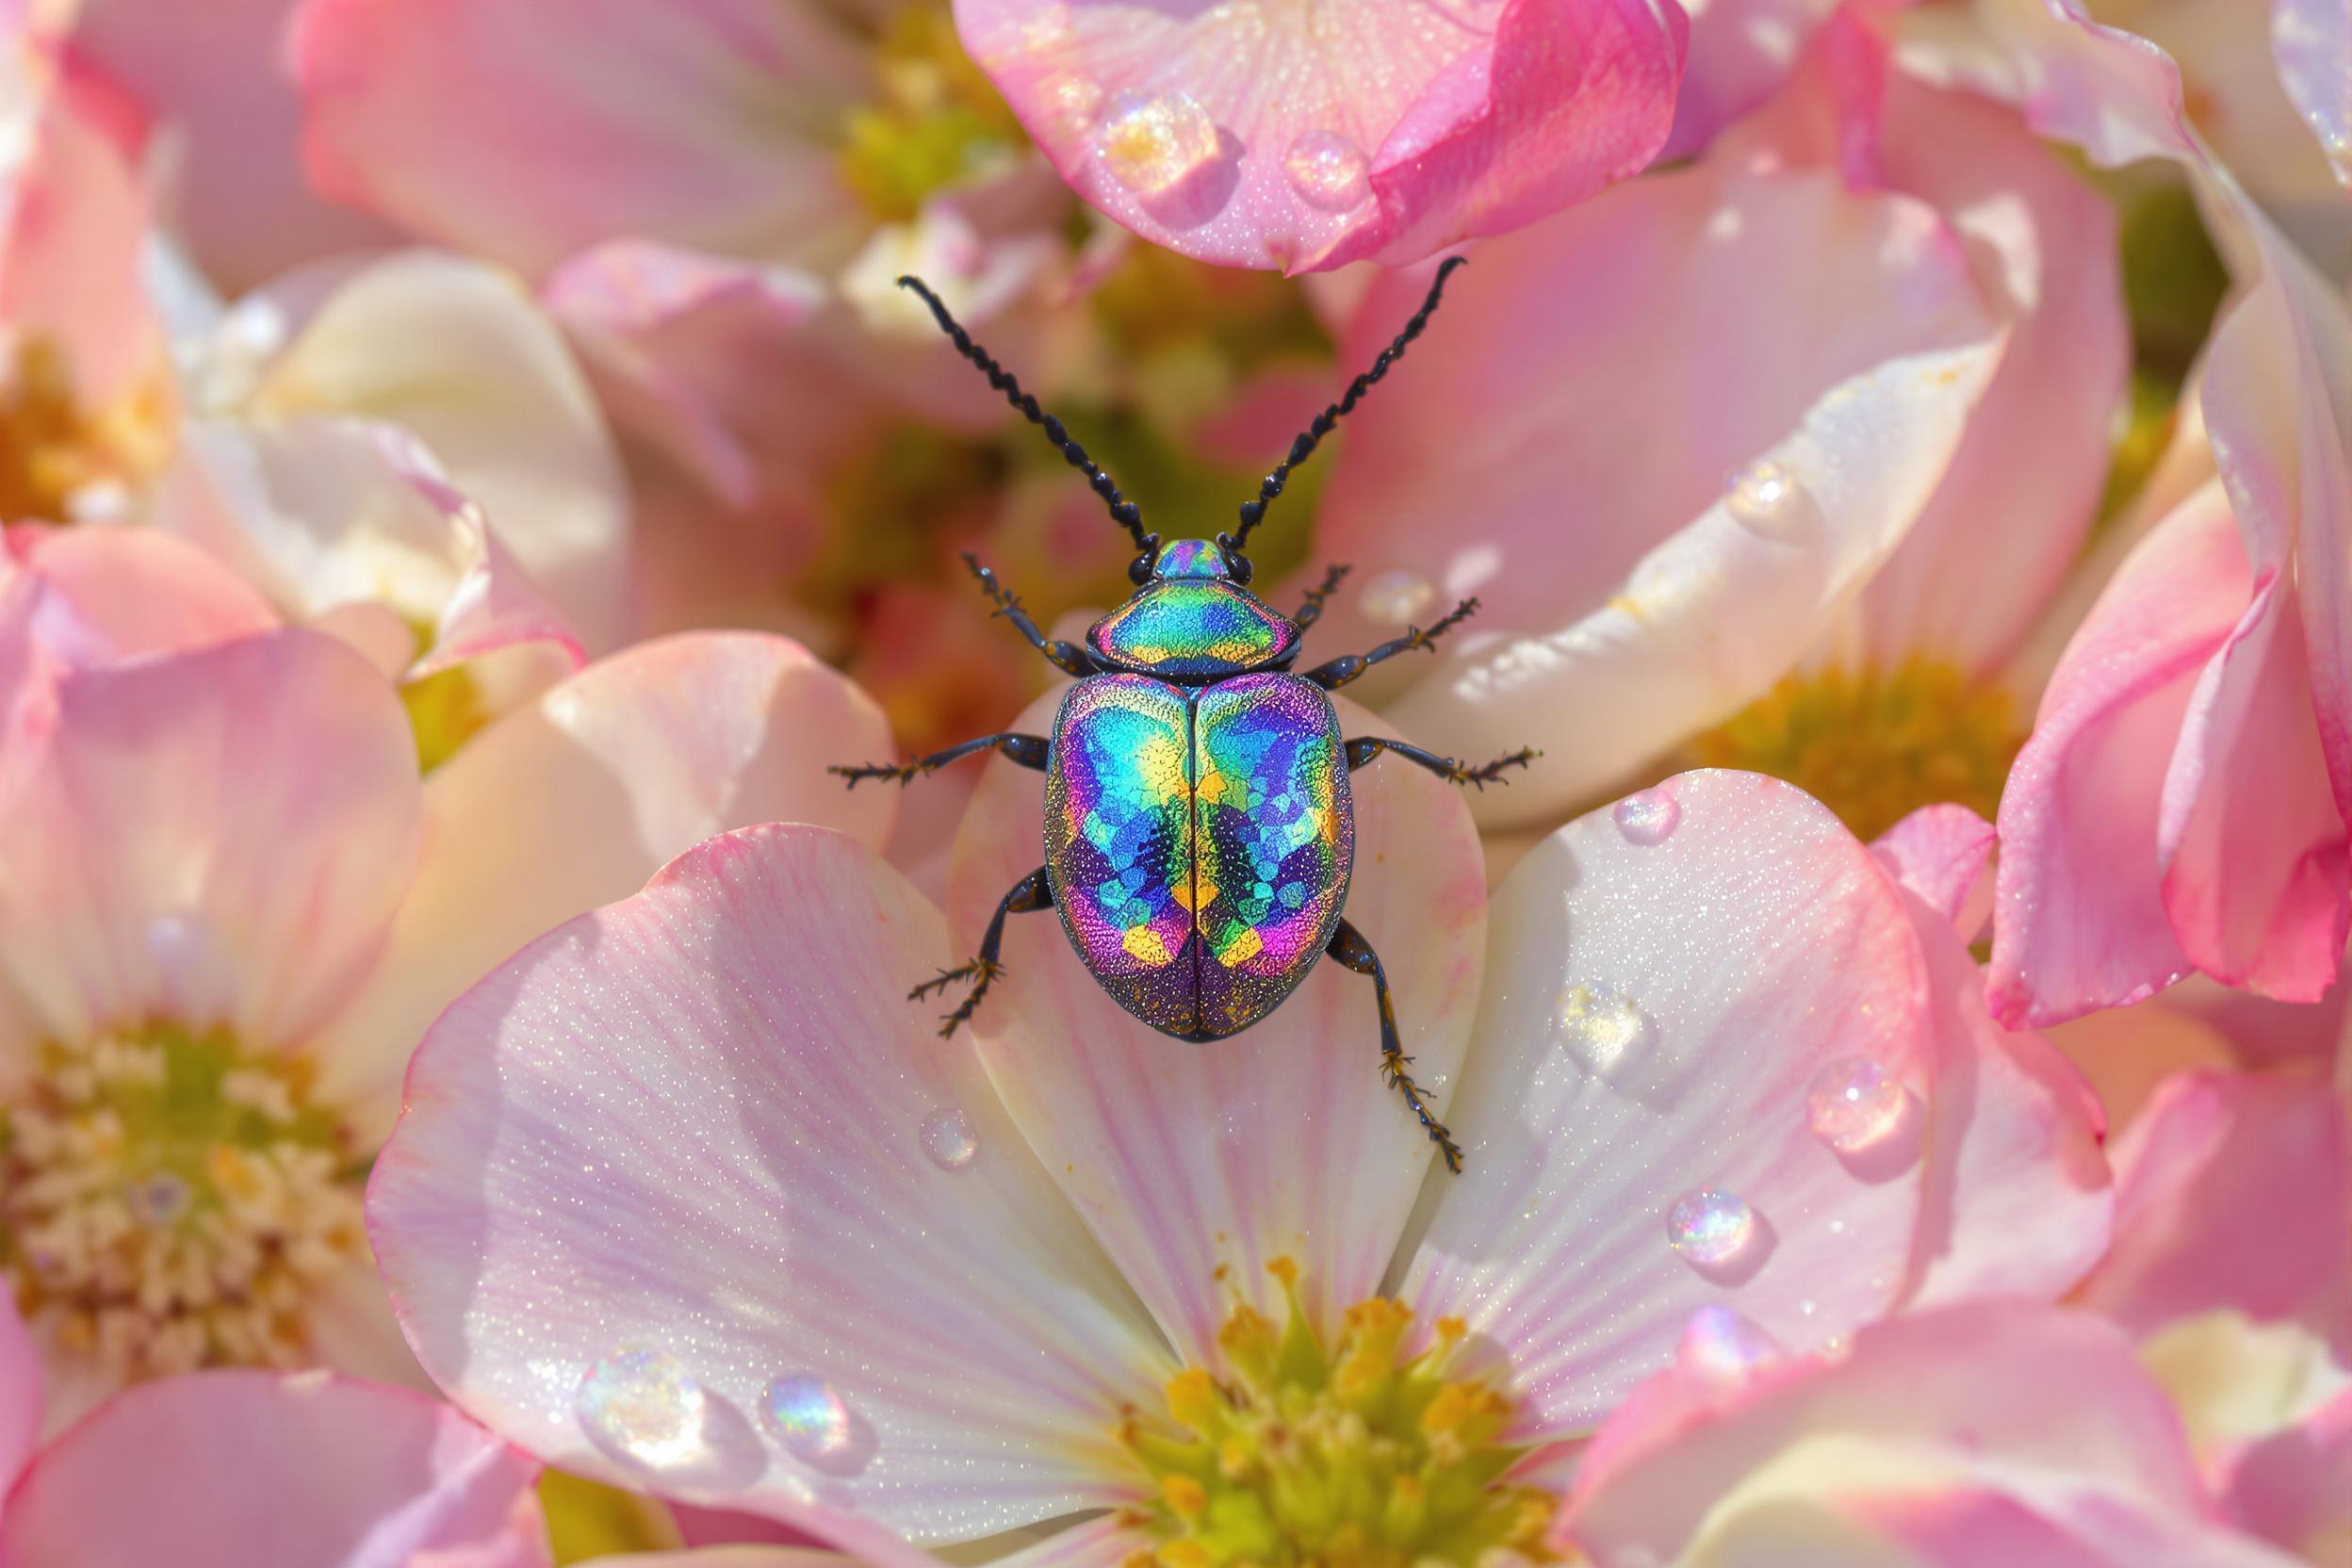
1119	840
1274	836
1192	627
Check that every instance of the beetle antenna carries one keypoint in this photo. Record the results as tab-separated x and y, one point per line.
1253	511
1123	512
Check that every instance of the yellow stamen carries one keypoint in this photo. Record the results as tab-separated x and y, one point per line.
1877	744
62	462
934	120
1360	1454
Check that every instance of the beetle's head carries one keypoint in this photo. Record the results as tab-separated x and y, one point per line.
1194	560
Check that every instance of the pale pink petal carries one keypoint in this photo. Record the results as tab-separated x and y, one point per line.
2295	1488
1191	1159
107	595
529	129
2018	1199
1960	1436
70	269
2078	920
1097	1542
224	121
2312	40
460	357
1741	50
218	836
20	1396
573	800
1938	853
234	1469
2256	870
1655	1011
1670	612
704	1124
2232	1191
1254	138
495	607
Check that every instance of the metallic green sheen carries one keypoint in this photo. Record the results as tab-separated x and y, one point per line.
1192	629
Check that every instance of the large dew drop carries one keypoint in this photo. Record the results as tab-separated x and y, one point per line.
1710	1228
642	1405
1328	171
1606	1032
1721	1343
1646	817
1394	596
815	1424
1152	145
1854	1105
948	1139
1766	497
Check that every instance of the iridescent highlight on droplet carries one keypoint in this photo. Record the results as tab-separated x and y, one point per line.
1328	171
813	1422
948	1139
1721	1343
1853	1105
1710	1227
1646	817
642	1405
1152	145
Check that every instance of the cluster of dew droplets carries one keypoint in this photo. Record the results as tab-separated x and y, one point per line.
1154	144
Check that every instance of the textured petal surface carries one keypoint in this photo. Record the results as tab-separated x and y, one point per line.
1255	136
2312	40
2234	1191
1656	1012
697	1136
231	1469
2078	920
217	836
529	129
1939	852
1281	1140
20	1397
573	800
1996	1433
1671	613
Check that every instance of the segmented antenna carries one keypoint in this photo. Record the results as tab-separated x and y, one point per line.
1123	512
1253	511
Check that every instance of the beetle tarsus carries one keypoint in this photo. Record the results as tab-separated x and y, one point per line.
1032	891
901	773
1362	749
1340	671
1311	610
1352	951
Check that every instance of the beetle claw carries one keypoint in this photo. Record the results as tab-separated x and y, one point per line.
901	773
982	971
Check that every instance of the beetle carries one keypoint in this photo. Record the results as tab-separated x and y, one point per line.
1198	830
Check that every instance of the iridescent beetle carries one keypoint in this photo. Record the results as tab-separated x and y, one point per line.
1198	830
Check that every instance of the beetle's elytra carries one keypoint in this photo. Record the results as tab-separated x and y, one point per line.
1198	830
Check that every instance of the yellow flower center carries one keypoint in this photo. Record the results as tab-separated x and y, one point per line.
60	461
935	121
166	1200
1876	746
1378	1450
445	710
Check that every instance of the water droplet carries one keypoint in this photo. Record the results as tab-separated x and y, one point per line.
1073	101
815	1424
1606	1031
1710	1228
1721	1343
1853	1105
1395	596
644	1406
1768	499
1646	816
1328	171
949	1138
1152	145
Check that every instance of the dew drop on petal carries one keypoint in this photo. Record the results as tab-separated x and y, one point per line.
948	1139
1853	1105
1710	1227
1395	596
1152	145
1766	497
1721	1343
1606	1031
1646	816
815	1424
1328	171
644	1406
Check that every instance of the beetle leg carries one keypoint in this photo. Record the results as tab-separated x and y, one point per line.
1339	672
1032	891
1027	750
1349	948
1311	610
1069	656
1451	770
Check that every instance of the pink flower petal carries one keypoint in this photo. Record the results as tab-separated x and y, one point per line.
1939	853
2234	1191
1400	131
108	595
2078	920
222	836
529	129
70	268
2312	40
20	1397
1189	1159
1656	1013
573	800
2295	1488
1992	1433
1671	613
1741	50
232	1469
693	1125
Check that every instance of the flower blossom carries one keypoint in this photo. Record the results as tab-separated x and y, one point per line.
229	907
